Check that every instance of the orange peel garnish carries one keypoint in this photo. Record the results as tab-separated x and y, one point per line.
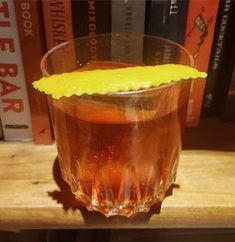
114	80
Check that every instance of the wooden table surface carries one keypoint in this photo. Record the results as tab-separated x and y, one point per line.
33	194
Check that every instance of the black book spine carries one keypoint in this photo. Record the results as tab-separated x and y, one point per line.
92	17
167	19
155	23
223	85
176	20
217	53
175	27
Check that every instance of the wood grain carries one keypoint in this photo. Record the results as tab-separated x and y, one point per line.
33	195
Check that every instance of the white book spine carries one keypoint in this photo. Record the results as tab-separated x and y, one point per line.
128	17
14	105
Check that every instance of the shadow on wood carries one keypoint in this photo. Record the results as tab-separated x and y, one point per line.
65	197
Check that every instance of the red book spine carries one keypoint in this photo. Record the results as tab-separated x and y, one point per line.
57	21
31	33
57	15
199	38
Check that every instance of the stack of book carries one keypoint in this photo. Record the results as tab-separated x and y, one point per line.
30	28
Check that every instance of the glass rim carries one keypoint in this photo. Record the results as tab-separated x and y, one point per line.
45	72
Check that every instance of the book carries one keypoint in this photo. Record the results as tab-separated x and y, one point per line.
57	16
31	33
14	105
198	40
167	19
176	16
224	95
90	18
221	33
156	17
128	17
57	22
175	26
155	24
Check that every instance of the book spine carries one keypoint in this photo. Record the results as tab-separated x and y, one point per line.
224	88
221	31
176	20
199	37
128	17
31	33
174	28
57	16
167	19
92	17
14	108
155	23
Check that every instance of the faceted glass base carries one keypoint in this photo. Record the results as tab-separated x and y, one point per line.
126	209
128	201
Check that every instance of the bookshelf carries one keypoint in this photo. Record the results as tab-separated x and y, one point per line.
34	196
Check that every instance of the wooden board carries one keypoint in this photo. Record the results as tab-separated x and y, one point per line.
33	195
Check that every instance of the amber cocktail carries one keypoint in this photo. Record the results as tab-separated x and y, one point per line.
118	152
